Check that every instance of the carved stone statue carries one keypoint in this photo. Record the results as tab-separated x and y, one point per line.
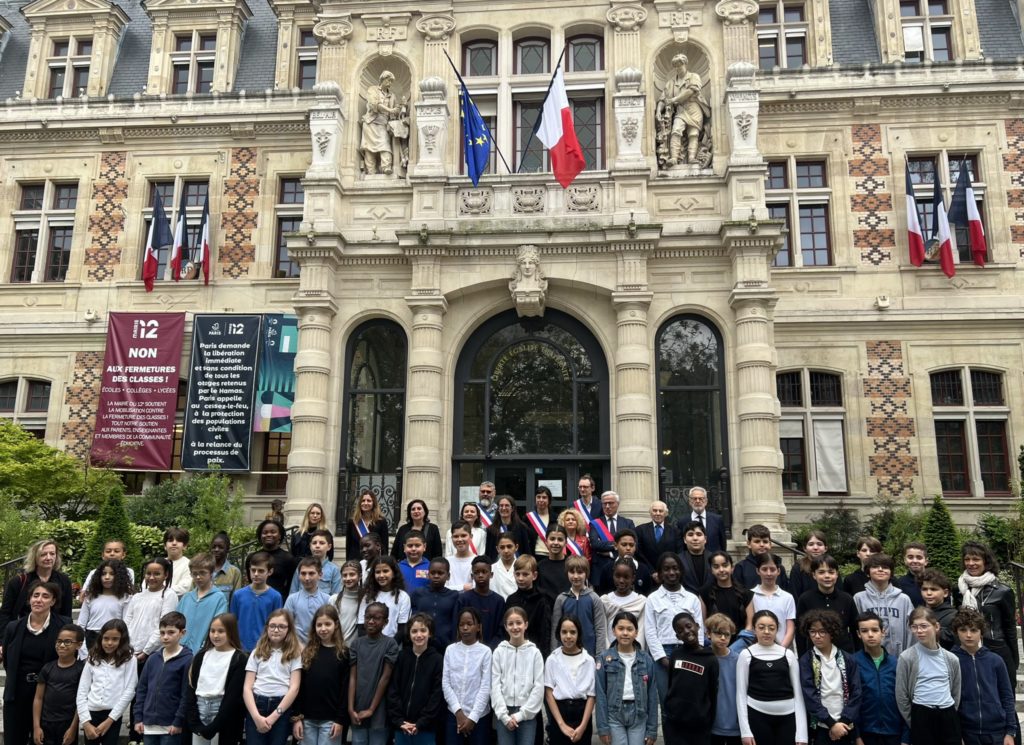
683	118
528	285
385	129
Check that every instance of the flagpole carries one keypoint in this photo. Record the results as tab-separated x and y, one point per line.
487	129
536	124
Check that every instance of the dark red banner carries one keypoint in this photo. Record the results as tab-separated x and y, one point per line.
139	394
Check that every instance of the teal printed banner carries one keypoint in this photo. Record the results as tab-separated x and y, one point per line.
275	382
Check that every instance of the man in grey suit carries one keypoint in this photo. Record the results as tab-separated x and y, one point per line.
714	526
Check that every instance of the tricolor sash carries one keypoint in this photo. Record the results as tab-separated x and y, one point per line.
573	547
362	528
582	509
537	524
485	519
602	528
472	546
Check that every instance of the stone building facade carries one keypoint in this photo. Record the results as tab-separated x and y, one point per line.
723	296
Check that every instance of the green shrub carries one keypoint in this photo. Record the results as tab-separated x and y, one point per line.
943	540
841	525
896	524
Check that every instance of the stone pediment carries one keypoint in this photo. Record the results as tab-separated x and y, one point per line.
196	7
41	9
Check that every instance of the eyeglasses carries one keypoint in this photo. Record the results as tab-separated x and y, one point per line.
278	626
817	632
67	642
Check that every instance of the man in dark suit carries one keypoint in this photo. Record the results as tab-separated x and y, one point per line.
657	536
602	534
713	524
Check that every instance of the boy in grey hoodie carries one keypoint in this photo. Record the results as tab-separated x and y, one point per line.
889	602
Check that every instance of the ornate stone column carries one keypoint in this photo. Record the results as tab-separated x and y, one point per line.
635	458
738	33
757	487
436	29
746	166
317	248
626	17
333	28
629	104
425	397
432	116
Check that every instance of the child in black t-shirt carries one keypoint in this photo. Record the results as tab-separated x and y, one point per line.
689	709
54	714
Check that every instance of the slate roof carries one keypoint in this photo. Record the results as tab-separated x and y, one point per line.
853	42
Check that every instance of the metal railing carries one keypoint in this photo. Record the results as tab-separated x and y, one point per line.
797	552
8	569
237	554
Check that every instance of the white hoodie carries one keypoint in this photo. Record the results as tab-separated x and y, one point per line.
517	679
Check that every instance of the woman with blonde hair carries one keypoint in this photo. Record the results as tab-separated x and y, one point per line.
366	518
315	519
577	543
42	563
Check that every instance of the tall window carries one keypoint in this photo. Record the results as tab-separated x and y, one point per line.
480	58
971	437
289	216
25	402
43	231
811	432
945	166
307	52
781	35
192	62
173	193
531	57
374	417
585	54
68	64
927	30
691	410
276	446
800	188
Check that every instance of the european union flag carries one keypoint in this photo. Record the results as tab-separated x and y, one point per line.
477	138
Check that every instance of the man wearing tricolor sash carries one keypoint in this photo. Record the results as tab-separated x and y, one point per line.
586	505
602	534
485	503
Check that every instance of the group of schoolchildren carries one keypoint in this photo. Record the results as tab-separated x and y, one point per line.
493	639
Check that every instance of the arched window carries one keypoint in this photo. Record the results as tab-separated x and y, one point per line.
374	415
532	56
25	401
585	54
971	438
691	412
480	58
811	432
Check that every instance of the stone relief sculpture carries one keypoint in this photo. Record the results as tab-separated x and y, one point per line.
385	129
528	285
683	120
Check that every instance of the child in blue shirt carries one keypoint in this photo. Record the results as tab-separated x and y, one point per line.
304	604
726	727
200	604
415	569
438	601
489	604
581	601
253	604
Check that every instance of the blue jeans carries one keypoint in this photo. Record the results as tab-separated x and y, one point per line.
318	732
279	732
629	728
161	739
368	736
661	674
522	735
420	738
208	709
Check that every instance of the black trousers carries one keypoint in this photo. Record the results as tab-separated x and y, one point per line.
726	740
679	735
934	726
18	713
572	713
773	730
113	734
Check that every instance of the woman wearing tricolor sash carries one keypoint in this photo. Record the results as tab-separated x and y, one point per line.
366	518
538	522
577	543
506	520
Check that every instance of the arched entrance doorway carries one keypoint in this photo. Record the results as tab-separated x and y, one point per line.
531	409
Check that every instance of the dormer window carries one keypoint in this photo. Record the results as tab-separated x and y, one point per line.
193	62
927	30
69	67
308	51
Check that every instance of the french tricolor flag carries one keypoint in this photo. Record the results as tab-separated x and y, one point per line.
963	210
557	133
204	242
915	236
941	235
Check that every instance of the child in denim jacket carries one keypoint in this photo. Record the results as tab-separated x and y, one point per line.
627	694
